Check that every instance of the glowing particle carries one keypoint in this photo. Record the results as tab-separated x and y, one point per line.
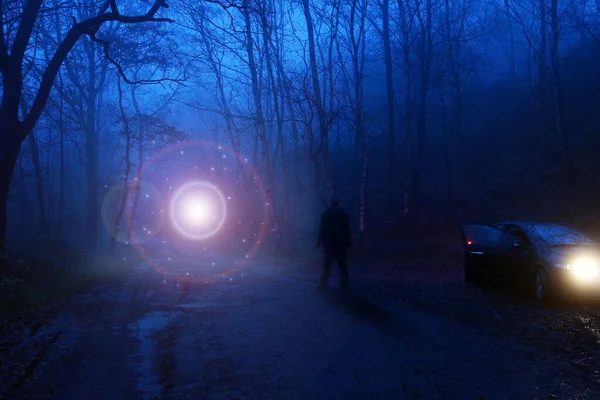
212	168
228	197
224	156
244	240
181	151
147	195
213	263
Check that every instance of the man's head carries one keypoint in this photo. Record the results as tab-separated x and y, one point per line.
335	203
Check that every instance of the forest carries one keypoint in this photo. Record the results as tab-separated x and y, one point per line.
414	113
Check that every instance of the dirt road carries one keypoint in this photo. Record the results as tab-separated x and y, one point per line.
212	329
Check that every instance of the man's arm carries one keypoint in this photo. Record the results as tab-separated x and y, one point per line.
347	231
320	235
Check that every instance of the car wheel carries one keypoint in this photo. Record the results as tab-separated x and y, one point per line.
542	290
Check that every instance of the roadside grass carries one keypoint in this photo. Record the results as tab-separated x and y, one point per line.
52	271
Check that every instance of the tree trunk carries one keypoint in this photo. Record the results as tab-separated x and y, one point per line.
391	107
91	152
541	61
121	210
10	146
61	197
425	56
262	133
39	182
558	105
405	28
278	114
137	186
511	57
322	121
362	242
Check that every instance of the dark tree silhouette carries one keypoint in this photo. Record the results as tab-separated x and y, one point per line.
14	126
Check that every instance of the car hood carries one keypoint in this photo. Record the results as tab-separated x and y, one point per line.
565	254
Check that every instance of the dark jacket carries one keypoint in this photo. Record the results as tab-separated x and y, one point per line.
334	231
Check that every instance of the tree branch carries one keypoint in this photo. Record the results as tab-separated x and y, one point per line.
105	45
3	51
30	13
90	27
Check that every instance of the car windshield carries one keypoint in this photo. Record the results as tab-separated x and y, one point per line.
558	235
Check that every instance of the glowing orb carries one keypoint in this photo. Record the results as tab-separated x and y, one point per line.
198	210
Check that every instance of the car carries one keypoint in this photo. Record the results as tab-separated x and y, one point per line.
547	260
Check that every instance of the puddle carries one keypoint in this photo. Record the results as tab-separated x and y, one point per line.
144	329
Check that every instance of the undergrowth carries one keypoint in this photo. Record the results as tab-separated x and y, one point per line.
51	271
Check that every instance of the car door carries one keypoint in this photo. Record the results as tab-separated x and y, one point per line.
522	254
485	248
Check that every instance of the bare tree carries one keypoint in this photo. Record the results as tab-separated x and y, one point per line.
14	129
318	100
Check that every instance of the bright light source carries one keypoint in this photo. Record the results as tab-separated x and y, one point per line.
198	211
585	268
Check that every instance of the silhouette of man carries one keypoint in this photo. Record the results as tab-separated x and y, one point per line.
334	236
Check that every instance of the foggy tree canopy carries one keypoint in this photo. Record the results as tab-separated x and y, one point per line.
411	112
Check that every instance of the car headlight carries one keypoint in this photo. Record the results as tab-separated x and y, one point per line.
583	268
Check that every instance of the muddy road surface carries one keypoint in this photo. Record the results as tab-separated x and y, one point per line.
216	328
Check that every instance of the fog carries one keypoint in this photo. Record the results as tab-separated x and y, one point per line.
415	114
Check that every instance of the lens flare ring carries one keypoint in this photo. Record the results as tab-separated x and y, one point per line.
255	243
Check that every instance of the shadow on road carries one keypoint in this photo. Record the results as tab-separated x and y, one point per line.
367	311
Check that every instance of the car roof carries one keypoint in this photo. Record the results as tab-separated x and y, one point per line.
523	224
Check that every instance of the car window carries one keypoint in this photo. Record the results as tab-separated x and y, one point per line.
480	235
518	236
